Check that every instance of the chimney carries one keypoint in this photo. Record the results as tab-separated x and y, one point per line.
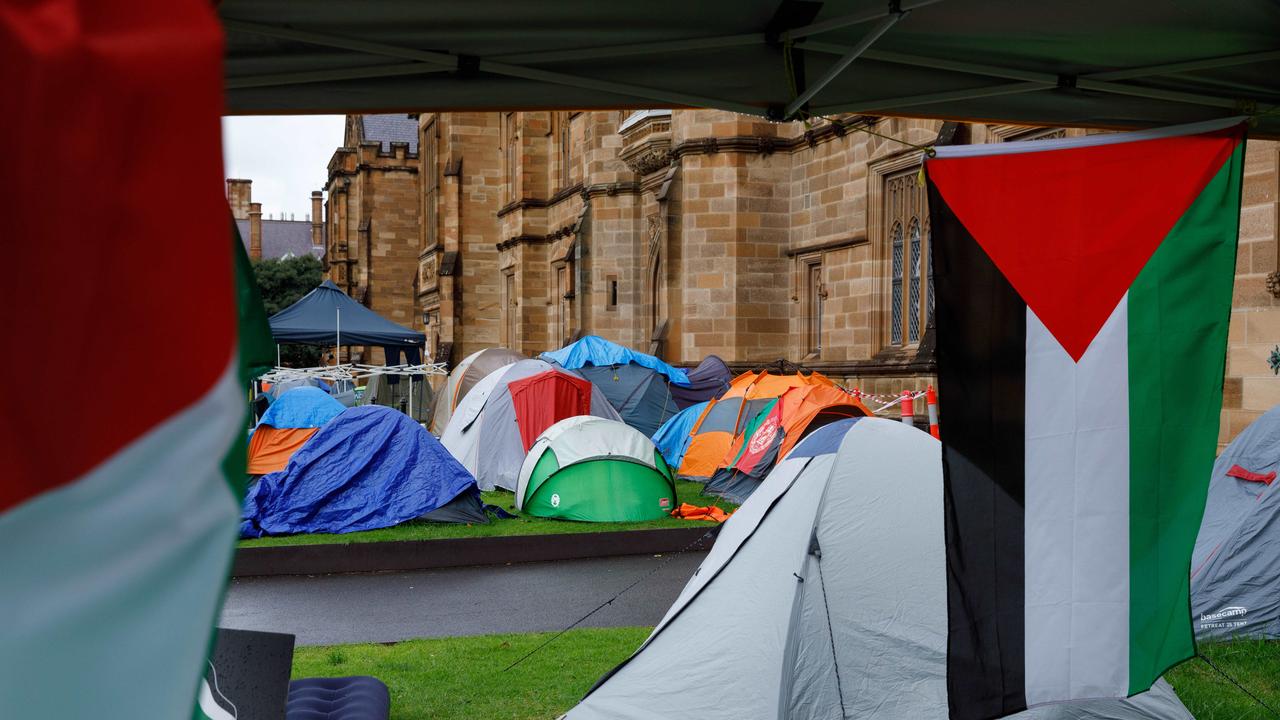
239	196
255	231
317	219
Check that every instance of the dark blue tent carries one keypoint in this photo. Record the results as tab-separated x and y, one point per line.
326	316
706	382
370	467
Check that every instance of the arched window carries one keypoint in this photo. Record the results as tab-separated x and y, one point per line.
913	286
895	323
905	228
928	240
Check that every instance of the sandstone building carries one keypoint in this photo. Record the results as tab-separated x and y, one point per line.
269	238
691	232
372	218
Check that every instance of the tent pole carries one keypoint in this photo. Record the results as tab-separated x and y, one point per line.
337	349
277	354
845	61
410	396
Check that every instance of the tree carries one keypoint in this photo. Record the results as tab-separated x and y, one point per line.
282	283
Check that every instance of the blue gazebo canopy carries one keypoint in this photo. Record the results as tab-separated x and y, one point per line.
326	316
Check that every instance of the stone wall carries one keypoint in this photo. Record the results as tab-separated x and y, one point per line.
692	232
374	227
1251	386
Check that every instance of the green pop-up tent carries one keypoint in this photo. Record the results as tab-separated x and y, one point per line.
596	470
1092	63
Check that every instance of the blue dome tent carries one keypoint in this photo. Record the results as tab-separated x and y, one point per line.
672	439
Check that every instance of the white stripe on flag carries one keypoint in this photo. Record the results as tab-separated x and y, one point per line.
1077	514
110	584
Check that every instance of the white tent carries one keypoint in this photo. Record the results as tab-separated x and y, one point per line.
824	597
483	433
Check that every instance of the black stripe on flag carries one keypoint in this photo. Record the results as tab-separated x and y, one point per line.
981	335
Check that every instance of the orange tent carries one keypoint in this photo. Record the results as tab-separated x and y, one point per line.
770	436
271	447
726	416
287	425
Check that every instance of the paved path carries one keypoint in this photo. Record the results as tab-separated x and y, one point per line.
528	597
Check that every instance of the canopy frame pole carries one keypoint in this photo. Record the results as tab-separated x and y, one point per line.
458	62
888	104
853	19
277	354
612	51
337	349
845	61
1098	82
245	82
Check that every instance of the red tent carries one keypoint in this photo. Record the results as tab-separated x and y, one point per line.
544	399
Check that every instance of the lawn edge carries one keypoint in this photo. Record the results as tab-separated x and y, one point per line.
334	558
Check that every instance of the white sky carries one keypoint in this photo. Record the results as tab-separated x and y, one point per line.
285	156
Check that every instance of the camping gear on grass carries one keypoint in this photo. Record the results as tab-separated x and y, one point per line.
395	391
462	378
774	431
706	381
596	470
370	467
286	425
727	415
840	553
637	385
1235	570
496	424
673	437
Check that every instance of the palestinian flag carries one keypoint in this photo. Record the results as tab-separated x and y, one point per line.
1083	293
124	398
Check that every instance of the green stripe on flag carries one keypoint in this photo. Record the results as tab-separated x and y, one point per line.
1179	307
256	351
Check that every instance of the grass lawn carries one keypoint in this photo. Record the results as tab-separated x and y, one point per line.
456	678
1209	696
689	492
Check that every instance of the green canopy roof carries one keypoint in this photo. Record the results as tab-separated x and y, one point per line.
1095	63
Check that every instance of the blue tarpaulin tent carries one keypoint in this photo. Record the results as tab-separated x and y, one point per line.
370	467
672	439
637	385
595	350
326	316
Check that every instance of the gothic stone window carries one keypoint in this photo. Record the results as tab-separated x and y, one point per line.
431	184
510	310
510	156
815	294
906	221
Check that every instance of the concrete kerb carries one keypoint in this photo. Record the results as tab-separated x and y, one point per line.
461	552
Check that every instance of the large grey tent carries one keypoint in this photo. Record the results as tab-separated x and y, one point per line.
1235	570
1083	63
824	596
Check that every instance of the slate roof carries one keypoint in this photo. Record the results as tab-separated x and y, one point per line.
282	237
386	129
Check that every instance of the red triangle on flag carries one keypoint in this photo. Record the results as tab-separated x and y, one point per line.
1071	229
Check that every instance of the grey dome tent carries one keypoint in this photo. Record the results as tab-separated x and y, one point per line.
326	316
840	552
1235	570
